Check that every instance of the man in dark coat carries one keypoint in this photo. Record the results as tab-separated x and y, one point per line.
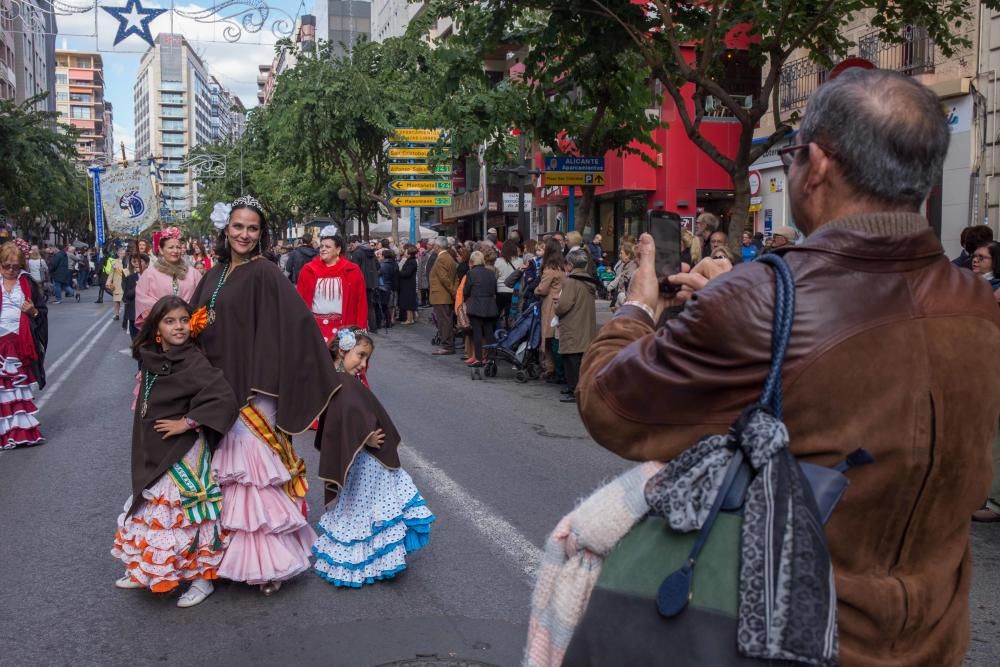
363	255
299	257
62	276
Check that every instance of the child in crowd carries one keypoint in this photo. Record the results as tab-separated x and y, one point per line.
376	516
136	265
168	531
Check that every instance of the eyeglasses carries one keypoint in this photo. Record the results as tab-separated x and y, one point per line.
10	267
787	154
982	258
718	257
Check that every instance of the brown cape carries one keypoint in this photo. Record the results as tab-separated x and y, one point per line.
266	341
186	385
354	414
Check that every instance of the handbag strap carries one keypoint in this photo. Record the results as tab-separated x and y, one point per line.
784	314
675	591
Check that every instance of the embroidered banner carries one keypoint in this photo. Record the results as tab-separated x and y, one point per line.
131	201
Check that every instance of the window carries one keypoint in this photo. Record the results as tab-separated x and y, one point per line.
62	78
173	125
173	151
173	137
171	99
83	62
62	97
81	112
80	97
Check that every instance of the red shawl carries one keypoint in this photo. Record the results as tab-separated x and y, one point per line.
25	341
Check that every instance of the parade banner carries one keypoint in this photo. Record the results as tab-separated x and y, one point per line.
131	202
96	172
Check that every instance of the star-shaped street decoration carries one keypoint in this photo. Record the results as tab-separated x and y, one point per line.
133	20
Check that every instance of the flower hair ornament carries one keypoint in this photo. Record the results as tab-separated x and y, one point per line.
346	340
220	214
170	233
23	246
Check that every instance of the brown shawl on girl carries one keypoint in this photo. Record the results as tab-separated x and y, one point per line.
353	415
186	385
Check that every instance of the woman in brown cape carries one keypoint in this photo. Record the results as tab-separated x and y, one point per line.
256	329
168	532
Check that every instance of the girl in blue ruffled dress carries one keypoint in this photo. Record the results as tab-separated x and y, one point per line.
376	515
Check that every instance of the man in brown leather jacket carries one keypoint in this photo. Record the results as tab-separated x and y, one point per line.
881	357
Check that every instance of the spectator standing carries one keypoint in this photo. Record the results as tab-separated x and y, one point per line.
388	285
62	275
423	256
407	297
705	225
39	270
986	263
443	284
114	283
301	256
891	370
971	238
549	287
507	263
749	249
480	294
716	240
577	318
783	236
363	255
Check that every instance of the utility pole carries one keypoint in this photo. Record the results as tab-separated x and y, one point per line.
124	160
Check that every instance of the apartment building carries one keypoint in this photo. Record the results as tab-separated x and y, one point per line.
343	23
33	35
8	80
391	18
80	103
267	75
172	98
965	82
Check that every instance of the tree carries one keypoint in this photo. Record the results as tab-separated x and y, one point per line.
583	90
40	178
686	42
331	118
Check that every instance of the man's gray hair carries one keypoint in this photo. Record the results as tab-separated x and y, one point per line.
887	133
578	259
710	220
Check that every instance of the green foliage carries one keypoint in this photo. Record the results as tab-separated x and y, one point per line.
40	180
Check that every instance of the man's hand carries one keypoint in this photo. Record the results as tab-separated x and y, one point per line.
171	427
645	285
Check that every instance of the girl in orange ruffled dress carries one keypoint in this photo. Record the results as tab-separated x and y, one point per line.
169	531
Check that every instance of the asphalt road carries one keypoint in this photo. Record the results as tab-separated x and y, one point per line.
498	462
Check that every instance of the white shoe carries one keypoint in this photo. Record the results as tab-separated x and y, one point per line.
127	582
195	595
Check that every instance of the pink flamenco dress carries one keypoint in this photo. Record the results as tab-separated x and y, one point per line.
263	506
18	424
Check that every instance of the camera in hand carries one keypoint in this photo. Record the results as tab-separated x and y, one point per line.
665	228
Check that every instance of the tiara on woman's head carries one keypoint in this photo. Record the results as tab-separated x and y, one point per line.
248	200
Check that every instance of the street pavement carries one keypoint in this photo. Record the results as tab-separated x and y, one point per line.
498	462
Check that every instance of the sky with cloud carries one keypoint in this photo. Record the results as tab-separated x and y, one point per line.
234	64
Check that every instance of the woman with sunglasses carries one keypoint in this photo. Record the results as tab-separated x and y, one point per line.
24	334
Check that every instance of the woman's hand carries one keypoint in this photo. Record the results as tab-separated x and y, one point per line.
171	427
27	306
376	439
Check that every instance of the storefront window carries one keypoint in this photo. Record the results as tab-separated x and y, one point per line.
633	213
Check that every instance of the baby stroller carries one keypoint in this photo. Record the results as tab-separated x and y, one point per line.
520	346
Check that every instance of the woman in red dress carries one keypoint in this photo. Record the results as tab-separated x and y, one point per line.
333	287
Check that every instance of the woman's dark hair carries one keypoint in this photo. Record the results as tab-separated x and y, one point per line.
137	256
463	254
411	251
147	334
198	247
509	250
994	249
337	239
359	333
388	254
222	250
553	257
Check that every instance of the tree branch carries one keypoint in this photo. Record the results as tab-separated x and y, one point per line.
693	131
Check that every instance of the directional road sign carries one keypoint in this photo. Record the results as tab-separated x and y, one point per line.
575	164
416	135
409	153
573	178
419	169
419	186
399	202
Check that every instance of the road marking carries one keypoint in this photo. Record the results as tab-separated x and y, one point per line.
491	525
51	368
51	389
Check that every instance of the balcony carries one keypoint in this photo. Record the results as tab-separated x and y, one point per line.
799	78
911	56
